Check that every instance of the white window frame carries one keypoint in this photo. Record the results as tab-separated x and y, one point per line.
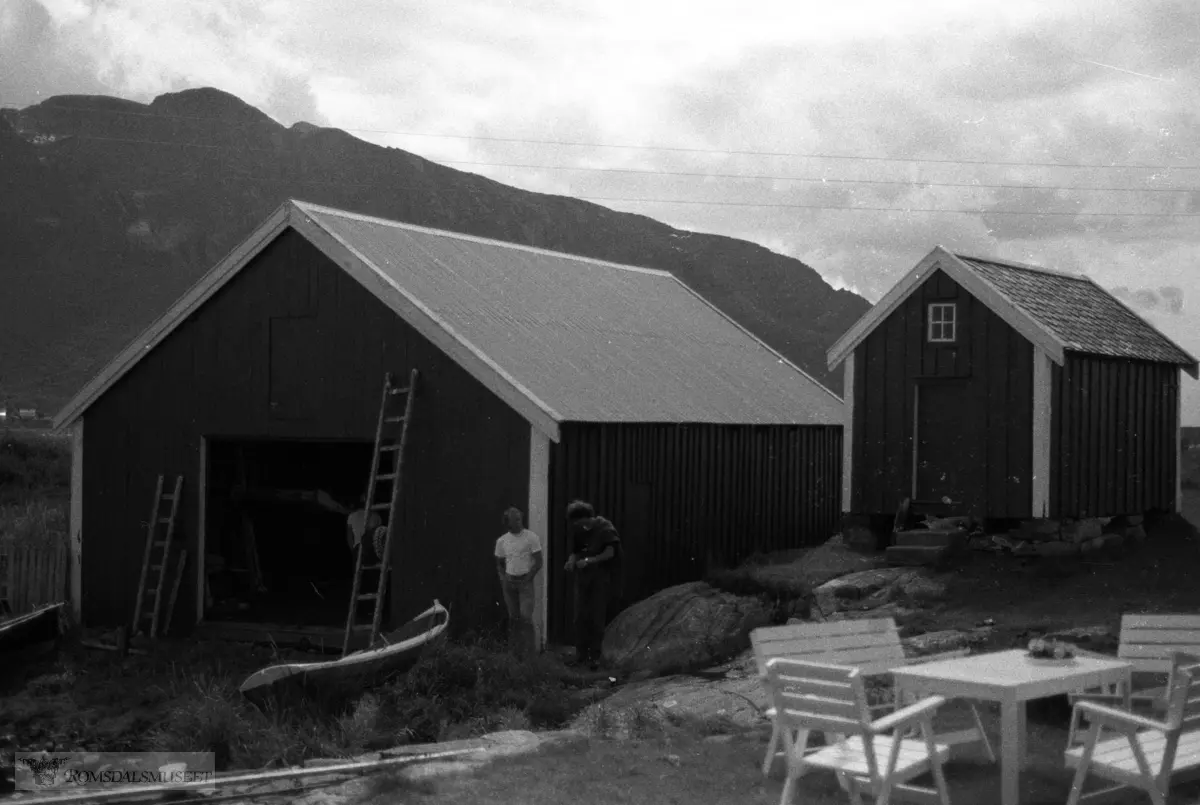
945	323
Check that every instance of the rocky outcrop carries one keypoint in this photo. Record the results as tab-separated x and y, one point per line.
796	574
872	589
730	694
682	628
1067	537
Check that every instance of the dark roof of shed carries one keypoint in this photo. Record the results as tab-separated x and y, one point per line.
1084	316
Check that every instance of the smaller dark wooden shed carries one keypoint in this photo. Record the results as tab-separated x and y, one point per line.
1010	391
544	377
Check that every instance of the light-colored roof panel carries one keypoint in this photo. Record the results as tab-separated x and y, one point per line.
597	342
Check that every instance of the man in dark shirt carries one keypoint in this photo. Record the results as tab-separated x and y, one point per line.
595	560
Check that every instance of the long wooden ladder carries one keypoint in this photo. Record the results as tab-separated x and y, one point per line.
387	443
154	571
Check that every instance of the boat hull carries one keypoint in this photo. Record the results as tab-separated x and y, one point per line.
392	654
40	626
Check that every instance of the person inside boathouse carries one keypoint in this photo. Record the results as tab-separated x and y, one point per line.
534	378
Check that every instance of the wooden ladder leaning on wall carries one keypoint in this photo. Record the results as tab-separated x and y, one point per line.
154	571
387	442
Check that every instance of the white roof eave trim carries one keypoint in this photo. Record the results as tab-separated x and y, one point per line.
977	286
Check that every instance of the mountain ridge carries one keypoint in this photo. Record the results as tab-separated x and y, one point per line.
117	207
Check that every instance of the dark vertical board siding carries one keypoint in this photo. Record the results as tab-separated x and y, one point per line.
1108	447
995	365
1070	410
996	384
1139	424
468	458
1056	430
893	402
988	415
860	475
877	444
1120	451
1018	487
913	352
716	495
1174	440
1117	452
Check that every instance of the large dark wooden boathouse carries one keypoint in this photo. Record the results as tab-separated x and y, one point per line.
543	377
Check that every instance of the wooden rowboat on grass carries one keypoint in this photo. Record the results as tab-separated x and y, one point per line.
39	626
391	654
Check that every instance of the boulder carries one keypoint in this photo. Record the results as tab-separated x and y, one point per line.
818	565
740	702
1082	530
920	587
846	591
682	628
893	609
872	589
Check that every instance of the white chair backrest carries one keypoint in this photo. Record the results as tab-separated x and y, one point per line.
820	697
1148	641
873	646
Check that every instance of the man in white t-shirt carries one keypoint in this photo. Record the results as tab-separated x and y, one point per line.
518	561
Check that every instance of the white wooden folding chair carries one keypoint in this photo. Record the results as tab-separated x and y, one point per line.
1148	641
1145	754
871	645
873	758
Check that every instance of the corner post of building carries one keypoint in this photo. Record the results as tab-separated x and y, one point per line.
1042	412
539	522
847	432
75	572
1179	442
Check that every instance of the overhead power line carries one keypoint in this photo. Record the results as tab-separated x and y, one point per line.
680	149
217	146
895	209
826	179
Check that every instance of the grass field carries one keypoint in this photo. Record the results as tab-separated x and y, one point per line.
680	766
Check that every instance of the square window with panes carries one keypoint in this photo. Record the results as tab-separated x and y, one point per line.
942	322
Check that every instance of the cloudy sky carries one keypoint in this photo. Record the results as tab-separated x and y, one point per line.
853	135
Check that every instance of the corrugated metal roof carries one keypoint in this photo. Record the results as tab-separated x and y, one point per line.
1084	316
594	341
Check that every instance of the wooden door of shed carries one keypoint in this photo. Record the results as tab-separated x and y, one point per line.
947	462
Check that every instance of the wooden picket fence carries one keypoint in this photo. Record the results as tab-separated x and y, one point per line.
32	575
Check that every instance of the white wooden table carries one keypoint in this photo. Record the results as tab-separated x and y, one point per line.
1012	679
